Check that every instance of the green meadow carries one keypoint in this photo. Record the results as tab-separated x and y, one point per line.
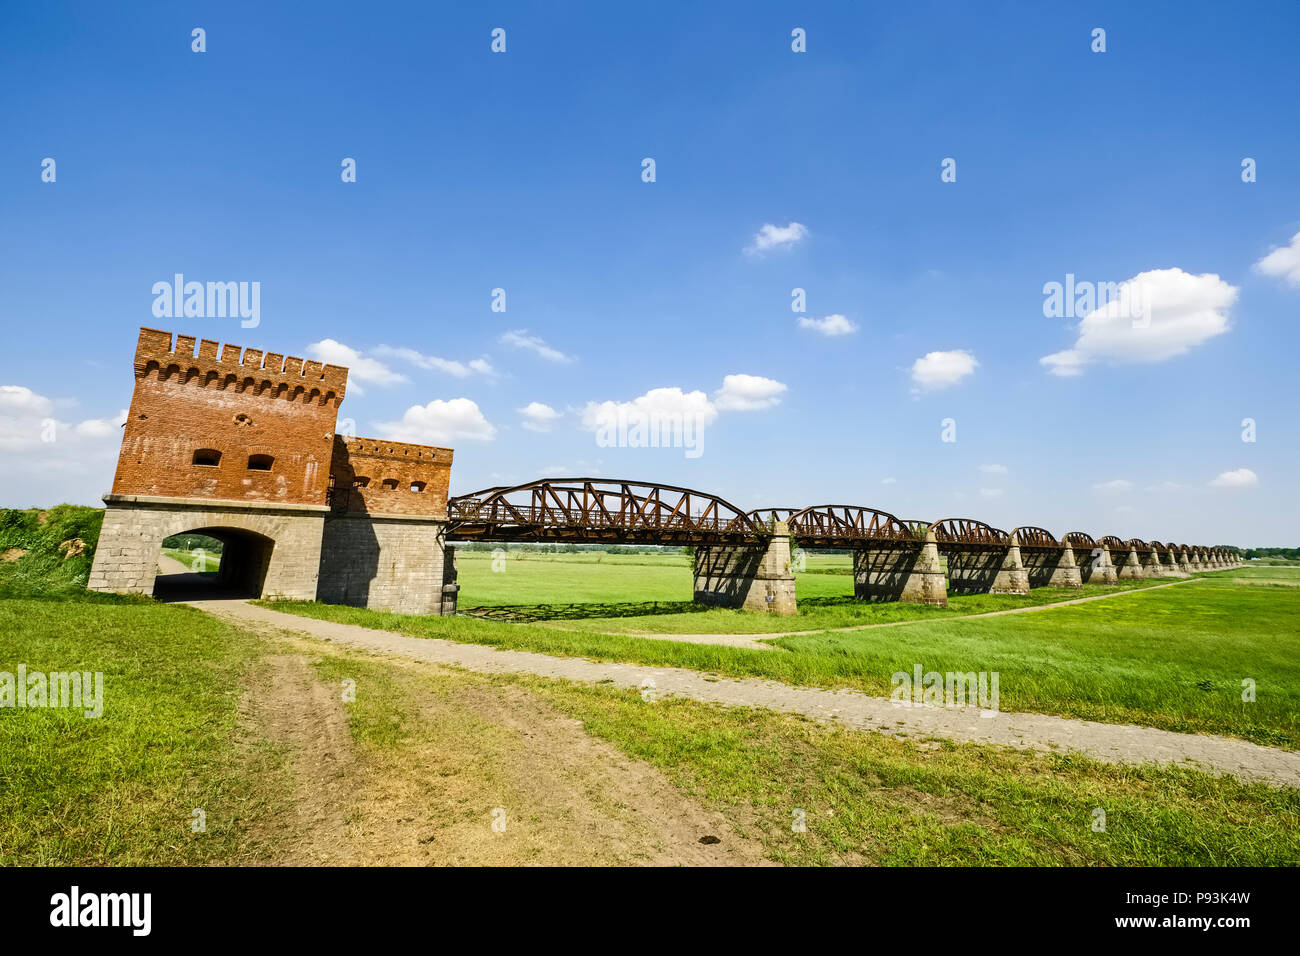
178	731
1179	658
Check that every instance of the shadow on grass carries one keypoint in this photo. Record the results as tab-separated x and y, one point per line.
528	613
842	600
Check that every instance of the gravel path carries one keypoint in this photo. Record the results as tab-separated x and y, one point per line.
1113	743
752	641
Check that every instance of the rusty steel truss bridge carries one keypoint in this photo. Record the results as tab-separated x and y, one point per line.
610	511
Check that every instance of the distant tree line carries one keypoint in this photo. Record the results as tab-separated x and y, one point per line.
192	542
1291	554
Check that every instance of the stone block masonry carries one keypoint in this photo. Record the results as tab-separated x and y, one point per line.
388	563
269	550
752	577
912	574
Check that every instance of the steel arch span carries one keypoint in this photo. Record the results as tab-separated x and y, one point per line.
838	526
967	532
598	511
1029	536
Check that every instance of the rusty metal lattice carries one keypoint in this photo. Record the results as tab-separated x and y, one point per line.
1032	537
597	511
840	526
967	532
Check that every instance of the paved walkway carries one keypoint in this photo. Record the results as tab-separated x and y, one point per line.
1113	743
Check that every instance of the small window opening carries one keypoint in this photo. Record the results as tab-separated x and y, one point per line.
390	484
207	457
260	462
417	486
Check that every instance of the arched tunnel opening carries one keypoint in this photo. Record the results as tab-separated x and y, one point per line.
237	570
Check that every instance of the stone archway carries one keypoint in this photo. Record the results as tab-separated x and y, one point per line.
246	556
276	548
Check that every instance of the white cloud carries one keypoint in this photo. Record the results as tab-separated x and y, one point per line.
538	417
936	370
772	237
830	326
1283	263
1239	478
747	393
18	398
888	481
28	423
990	492
362	370
1115	486
739	393
440	421
656	405
49	460
1158	315
994	469
479	366
1164	487
520	338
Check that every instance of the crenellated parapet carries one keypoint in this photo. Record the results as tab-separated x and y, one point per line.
232	367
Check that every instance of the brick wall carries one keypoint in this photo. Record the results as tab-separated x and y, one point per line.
390	477
200	419
236	405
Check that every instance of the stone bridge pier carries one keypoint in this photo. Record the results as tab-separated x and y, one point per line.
912	573
1152	566
1123	555
1095	563
1048	562
991	570
752	577
1169	566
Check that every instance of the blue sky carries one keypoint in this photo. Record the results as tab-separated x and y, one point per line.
522	171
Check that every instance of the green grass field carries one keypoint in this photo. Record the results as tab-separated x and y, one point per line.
631	593
120	790
1173	658
176	734
198	560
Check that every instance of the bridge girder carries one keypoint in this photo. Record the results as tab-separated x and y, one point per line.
840	526
968	534
598	511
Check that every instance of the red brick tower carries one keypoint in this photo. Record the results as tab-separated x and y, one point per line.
241	445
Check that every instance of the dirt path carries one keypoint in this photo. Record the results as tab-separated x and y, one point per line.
754	641
289	706
1113	743
472	748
